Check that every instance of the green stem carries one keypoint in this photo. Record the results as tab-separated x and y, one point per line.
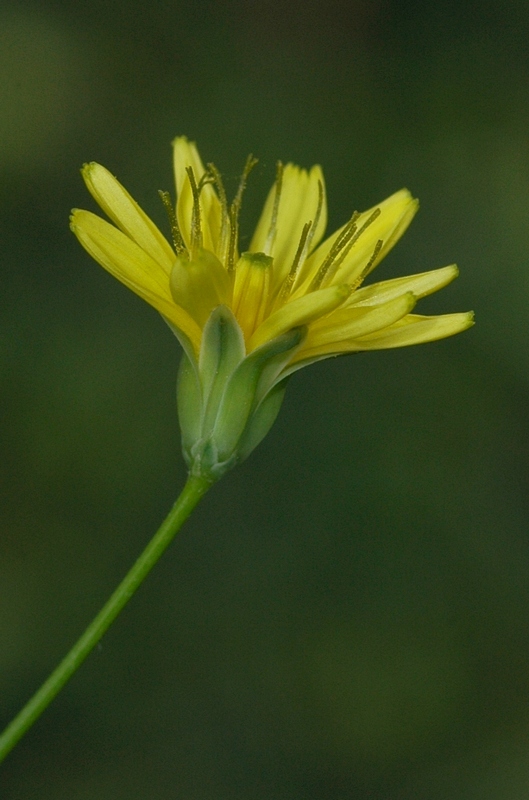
192	492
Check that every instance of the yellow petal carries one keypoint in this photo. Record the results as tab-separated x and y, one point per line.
415	329
185	154
396	213
123	210
422	284
344	324
132	266
199	285
298	204
298	312
250	293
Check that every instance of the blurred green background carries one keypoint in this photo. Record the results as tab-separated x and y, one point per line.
346	616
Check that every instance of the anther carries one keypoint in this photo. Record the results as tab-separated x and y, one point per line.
304	247
345	252
178	242
205	179
342	247
291	277
368	267
341	241
376	213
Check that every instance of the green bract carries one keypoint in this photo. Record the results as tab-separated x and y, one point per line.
227	400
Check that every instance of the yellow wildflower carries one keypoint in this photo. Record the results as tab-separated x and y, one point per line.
292	299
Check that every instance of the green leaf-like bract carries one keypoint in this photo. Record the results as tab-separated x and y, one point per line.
227	401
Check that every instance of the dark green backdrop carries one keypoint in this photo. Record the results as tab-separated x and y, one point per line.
346	616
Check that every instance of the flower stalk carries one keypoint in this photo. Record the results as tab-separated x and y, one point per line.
194	489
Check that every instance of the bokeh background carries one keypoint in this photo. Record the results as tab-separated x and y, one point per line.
347	614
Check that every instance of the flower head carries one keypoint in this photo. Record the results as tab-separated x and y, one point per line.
248	320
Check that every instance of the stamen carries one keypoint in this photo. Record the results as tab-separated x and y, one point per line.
341	241
304	247
272	231
196	225
235	210
224	224
205	179
291	277
369	265
178	242
342	248
345	252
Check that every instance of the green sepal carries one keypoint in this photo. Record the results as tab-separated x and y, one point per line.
227	401
221	351
188	393
274	371
205	461
262	419
239	398
189	404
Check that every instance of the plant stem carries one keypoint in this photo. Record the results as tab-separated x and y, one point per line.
193	491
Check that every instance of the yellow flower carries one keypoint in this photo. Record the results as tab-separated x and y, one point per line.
292	299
